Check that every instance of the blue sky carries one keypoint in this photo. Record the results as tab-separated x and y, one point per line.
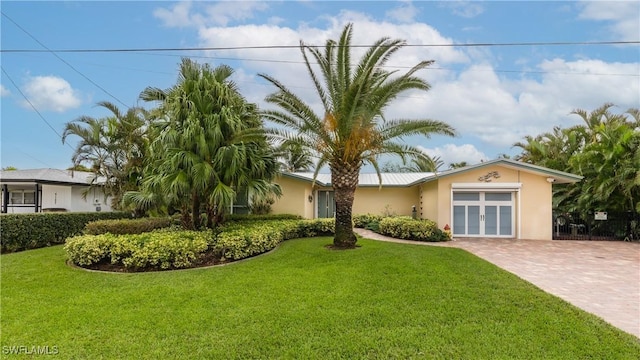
493	96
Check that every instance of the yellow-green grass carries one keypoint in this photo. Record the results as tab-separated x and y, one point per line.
301	301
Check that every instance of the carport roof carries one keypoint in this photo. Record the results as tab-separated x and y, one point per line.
51	176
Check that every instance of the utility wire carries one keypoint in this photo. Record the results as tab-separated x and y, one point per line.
34	107
53	52
258	47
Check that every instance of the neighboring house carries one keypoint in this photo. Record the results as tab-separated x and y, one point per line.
38	190
498	198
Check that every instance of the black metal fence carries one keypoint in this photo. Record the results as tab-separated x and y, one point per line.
596	226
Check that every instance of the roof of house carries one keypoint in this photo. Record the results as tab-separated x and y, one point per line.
52	176
368	179
410	179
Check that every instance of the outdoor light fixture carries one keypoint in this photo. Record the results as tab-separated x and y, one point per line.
310	198
551	180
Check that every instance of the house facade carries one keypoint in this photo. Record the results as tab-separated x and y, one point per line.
499	199
42	190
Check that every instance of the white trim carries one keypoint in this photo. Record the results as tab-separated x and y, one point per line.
486	186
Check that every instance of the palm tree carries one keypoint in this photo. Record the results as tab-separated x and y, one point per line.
210	145
458	165
294	157
353	129
113	147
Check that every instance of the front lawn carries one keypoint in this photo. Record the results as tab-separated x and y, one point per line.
301	301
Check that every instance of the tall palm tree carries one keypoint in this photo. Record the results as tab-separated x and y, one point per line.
352	130
210	145
113	147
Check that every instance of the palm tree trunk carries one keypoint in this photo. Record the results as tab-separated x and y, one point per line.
195	211
344	179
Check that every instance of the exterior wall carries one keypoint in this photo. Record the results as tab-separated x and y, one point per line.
429	201
396	200
536	207
295	198
533	211
56	196
94	198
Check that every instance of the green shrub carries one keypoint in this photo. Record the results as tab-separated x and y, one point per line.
316	227
157	249
404	227
127	226
255	217
30	231
362	220
170	249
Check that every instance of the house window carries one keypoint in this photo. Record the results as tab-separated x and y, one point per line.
22	197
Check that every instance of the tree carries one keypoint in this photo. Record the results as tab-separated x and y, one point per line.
112	147
9	168
423	163
353	129
604	150
458	165
294	157
210	146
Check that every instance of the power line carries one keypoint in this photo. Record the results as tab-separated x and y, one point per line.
263	47
33	106
53	52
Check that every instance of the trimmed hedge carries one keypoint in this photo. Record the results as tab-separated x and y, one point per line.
31	231
404	227
252	217
127	226
158	249
175	249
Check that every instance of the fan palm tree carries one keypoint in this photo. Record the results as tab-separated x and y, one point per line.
210	144
352	130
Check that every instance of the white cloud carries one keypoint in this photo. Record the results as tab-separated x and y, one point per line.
624	17
405	13
452	153
177	16
221	13
4	91
465	9
489	109
50	93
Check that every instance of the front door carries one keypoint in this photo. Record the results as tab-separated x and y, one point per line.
483	214
326	204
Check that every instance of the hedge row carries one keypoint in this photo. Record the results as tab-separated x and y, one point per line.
127	226
175	249
404	227
30	231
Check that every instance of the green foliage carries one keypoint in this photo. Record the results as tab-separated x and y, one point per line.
352	129
155	250
127	226
605	149
168	249
363	220
404	227
254	217
210	143
113	148
31	231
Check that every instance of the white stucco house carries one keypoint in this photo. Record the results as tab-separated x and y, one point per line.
42	190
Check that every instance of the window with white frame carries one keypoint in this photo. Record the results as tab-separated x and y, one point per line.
20	197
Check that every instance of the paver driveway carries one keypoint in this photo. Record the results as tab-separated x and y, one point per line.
601	277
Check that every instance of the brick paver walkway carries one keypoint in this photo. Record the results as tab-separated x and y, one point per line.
601	277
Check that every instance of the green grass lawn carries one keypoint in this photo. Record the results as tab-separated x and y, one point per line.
300	301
